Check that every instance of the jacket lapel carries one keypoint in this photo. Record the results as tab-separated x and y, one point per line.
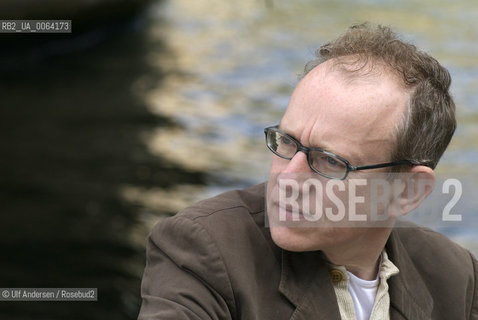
305	282
409	297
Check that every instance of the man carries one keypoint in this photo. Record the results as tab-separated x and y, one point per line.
370	108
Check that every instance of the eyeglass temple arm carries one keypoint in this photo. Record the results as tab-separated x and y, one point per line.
380	165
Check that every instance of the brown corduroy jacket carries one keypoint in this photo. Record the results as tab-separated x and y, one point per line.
216	260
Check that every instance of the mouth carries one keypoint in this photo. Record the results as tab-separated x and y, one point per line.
285	213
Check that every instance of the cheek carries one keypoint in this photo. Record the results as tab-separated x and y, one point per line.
278	164
276	168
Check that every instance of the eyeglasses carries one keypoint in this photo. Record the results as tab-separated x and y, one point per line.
320	161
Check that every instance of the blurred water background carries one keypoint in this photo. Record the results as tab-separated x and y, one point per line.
119	124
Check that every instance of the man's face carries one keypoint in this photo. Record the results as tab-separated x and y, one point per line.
353	118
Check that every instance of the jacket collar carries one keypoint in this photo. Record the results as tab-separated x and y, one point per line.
409	296
306	283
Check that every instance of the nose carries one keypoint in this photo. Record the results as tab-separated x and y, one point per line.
298	164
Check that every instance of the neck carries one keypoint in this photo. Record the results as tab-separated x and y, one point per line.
362	256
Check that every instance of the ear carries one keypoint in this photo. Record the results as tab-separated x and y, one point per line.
417	184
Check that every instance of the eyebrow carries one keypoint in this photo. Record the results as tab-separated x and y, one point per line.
320	147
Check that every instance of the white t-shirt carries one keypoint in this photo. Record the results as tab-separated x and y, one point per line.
363	294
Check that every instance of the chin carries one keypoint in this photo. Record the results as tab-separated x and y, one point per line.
294	239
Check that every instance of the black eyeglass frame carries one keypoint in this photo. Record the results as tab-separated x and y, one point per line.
349	167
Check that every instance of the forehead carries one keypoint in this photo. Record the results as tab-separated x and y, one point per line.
350	116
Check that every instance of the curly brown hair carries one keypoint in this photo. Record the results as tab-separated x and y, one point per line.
429	122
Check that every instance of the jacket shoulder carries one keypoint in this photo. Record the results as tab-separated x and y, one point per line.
425	245
221	242
448	271
225	219
249	199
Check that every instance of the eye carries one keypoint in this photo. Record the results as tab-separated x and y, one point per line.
332	161
285	140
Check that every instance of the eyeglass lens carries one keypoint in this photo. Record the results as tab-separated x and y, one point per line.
319	161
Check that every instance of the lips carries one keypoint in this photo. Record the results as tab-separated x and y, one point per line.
289	214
